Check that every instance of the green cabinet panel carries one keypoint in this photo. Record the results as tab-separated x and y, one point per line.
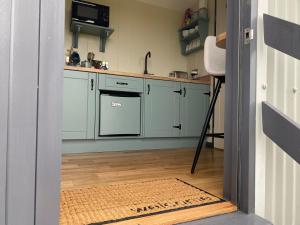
193	108
120	83
120	115
79	105
168	108
161	108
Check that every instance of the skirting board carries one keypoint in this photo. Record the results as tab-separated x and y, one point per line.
83	146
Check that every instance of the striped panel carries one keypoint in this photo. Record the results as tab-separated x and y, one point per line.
278	82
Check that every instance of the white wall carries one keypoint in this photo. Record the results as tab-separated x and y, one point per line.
139	27
277	175
219	108
195	60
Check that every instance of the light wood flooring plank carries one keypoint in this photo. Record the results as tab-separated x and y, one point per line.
82	170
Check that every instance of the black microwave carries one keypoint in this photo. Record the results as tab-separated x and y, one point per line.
90	13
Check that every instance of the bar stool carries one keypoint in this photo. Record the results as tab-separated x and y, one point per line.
214	62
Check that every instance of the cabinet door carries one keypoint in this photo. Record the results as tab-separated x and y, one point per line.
161	108
79	105
120	115
193	108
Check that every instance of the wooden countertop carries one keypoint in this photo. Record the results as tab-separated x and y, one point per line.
202	80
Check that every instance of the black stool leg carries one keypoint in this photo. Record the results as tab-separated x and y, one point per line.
206	123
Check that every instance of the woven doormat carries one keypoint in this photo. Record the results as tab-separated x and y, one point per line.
130	201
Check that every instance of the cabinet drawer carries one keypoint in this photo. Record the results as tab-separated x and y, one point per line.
119	83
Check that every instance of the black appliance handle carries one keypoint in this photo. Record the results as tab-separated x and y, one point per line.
148	86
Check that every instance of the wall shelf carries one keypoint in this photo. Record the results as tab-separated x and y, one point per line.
79	27
197	37
194	23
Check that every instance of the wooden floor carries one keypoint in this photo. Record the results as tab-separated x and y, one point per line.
81	170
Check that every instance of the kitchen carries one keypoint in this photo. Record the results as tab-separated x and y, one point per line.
129	113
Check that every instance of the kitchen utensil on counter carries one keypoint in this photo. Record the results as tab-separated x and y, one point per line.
179	74
67	60
90	56
86	64
97	64
74	59
194	73
68	55
105	66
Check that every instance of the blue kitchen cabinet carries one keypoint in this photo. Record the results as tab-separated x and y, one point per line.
79	102
162	108
194	103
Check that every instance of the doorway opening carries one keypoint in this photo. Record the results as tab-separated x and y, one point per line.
129	138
